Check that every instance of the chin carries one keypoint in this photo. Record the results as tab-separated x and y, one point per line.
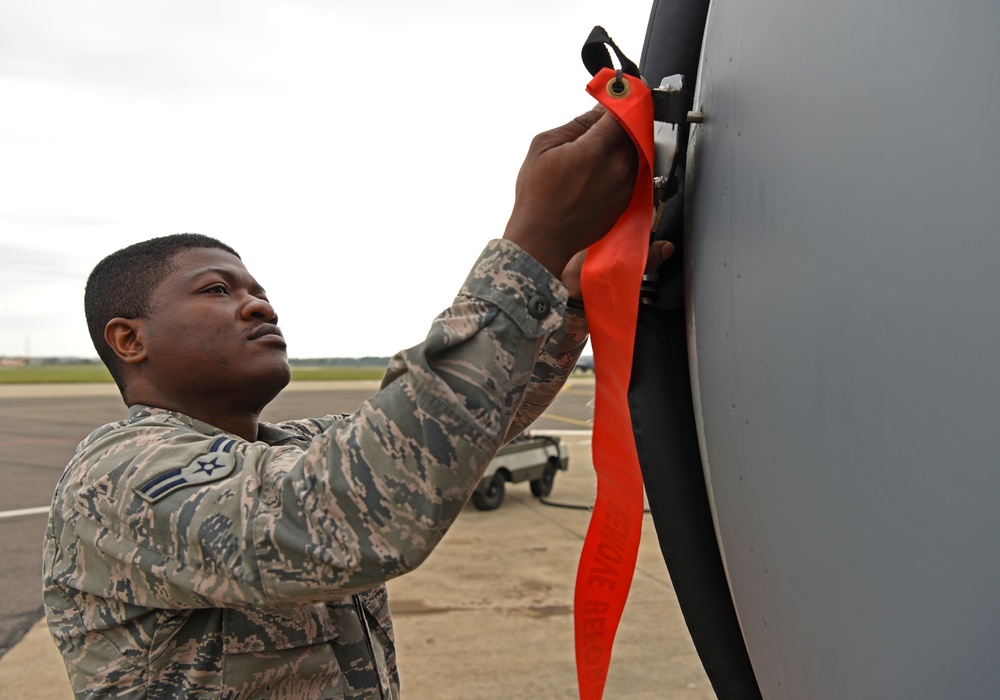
271	384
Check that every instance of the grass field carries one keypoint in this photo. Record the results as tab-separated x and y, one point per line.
92	373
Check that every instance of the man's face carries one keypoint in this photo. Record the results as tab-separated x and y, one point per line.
211	334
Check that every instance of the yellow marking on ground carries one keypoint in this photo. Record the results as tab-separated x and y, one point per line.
572	387
571	421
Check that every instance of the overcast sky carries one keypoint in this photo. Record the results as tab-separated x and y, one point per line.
357	155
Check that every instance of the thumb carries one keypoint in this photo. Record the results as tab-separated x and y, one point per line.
606	133
575	128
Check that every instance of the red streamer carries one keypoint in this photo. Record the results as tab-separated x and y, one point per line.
612	275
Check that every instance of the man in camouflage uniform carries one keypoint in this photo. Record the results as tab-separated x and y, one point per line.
193	551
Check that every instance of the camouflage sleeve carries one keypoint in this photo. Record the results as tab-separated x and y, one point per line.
553	366
555	363
367	500
309	428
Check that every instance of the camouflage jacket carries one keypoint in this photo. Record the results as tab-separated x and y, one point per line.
181	561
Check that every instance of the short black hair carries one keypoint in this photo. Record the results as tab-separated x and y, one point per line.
122	285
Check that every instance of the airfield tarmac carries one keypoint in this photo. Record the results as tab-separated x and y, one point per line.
488	616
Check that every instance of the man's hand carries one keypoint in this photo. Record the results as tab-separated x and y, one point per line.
659	251
574	183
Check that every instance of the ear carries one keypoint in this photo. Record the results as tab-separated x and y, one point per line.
125	337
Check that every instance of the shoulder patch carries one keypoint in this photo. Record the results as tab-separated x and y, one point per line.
215	465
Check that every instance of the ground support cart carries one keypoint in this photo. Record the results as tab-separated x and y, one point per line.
531	458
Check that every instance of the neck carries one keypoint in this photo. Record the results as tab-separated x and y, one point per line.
241	421
235	410
242	426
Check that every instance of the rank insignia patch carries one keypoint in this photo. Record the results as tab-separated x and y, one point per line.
215	465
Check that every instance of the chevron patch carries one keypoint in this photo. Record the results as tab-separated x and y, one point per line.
215	465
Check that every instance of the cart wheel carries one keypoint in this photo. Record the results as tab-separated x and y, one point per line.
542	487
492	497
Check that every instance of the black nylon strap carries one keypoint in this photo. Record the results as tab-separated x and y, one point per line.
596	56
671	106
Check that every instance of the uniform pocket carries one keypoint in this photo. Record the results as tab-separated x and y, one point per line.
251	630
286	653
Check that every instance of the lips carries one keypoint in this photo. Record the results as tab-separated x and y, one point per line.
266	330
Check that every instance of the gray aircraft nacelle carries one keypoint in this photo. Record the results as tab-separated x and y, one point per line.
816	389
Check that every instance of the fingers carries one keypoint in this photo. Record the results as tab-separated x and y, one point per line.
575	182
610	139
659	251
571	130
607	133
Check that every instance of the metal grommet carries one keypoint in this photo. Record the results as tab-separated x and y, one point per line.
618	87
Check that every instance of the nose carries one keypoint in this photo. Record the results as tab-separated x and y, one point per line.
259	309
